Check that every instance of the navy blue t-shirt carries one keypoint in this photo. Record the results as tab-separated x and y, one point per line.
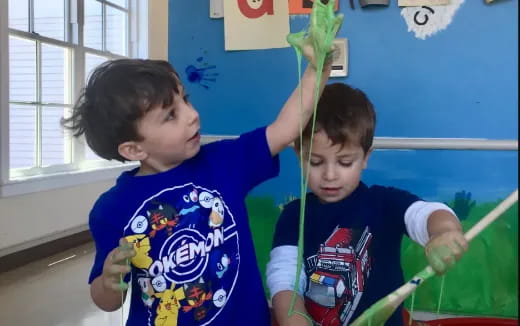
351	251
195	261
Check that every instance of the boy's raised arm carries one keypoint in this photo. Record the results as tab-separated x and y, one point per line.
317	44
285	129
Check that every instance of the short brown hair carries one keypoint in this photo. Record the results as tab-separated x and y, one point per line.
117	95
346	115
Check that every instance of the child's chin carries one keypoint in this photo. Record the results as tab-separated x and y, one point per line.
331	199
193	152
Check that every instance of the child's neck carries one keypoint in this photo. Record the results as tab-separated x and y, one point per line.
154	168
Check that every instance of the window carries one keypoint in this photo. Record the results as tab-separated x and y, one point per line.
53	46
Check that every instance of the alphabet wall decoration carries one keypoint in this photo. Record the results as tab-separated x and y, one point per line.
255	24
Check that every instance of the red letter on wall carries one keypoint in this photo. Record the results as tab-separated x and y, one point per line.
265	8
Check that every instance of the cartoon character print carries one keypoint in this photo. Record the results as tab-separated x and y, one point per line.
196	295
180	240
219	263
216	217
164	216
189	209
142	247
169	306
147	291
223	265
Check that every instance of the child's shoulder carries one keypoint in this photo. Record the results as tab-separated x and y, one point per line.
382	190
392	196
112	200
107	200
251	137
292	206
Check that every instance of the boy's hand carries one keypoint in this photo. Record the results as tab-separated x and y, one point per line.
116	266
319	40
444	250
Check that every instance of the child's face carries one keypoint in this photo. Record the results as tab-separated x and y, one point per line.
171	135
335	170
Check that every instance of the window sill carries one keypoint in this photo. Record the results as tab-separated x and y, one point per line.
21	185
27	185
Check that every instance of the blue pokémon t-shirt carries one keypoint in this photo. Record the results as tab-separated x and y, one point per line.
195	261
352	251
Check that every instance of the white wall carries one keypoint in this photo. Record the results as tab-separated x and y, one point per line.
36	218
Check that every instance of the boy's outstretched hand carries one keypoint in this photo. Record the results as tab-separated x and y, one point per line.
319	40
116	266
315	45
444	250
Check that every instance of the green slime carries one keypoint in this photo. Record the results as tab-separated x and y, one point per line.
380	311
324	26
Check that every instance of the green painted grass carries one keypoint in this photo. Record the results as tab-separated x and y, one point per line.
485	281
263	214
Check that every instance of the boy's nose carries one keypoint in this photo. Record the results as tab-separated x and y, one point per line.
194	115
329	173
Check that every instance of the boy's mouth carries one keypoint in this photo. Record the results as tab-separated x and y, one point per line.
196	136
330	190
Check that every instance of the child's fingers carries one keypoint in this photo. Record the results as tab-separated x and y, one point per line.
118	256
114	283
456	249
124	244
444	251
440	257
116	269
458	245
463	243
449	261
127	254
121	286
436	263
121	254
117	286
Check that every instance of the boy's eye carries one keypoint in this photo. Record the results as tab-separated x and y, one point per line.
170	116
345	164
316	163
186	98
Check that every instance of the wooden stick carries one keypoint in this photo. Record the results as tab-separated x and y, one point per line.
380	311
491	216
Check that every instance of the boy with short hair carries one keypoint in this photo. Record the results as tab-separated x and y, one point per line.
179	218
352	238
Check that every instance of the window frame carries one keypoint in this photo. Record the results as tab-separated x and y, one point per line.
26	180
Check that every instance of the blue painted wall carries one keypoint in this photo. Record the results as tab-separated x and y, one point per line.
461	82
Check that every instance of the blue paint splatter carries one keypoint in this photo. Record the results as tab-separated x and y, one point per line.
200	75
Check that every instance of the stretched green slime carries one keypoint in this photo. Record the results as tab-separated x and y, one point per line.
324	26
122	285
380	311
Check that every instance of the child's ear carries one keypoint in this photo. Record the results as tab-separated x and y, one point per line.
295	148
367	155
131	151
